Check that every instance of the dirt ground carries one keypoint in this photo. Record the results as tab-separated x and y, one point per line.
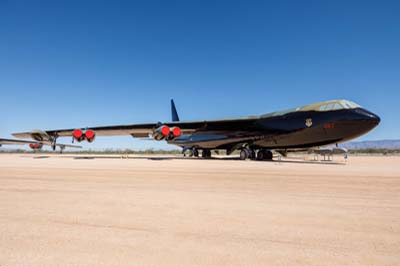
62	210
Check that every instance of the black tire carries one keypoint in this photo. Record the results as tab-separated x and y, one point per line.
260	155
252	154
195	153
244	154
206	154
268	155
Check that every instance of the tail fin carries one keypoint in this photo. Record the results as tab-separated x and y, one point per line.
174	113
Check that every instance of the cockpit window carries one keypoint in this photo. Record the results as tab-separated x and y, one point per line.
337	106
347	105
321	106
330	107
353	104
343	104
350	104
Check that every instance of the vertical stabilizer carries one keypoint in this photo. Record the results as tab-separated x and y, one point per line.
174	113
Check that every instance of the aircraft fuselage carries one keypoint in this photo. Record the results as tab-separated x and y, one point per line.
297	129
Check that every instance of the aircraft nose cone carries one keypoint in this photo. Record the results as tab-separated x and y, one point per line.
376	119
369	116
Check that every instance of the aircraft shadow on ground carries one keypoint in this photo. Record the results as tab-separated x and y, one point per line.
41	157
167	158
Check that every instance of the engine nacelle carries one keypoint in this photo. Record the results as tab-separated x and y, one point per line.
78	135
90	135
162	132
35	146
176	132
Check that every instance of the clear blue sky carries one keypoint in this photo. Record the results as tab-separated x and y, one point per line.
89	63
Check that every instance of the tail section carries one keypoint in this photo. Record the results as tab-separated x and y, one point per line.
174	113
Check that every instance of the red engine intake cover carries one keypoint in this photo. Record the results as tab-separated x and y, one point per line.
77	134
165	130
90	134
35	146
176	131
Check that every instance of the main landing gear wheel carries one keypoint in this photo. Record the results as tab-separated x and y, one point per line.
252	154
247	154
193	152
244	154
206	154
264	155
260	155
268	155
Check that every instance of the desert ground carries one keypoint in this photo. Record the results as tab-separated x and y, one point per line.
76	210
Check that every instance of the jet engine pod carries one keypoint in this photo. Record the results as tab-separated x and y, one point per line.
176	132
90	135
35	146
78	135
161	132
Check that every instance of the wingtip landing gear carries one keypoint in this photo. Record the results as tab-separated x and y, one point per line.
62	148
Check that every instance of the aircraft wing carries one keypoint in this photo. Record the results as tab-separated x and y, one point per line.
25	142
134	130
140	130
15	142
